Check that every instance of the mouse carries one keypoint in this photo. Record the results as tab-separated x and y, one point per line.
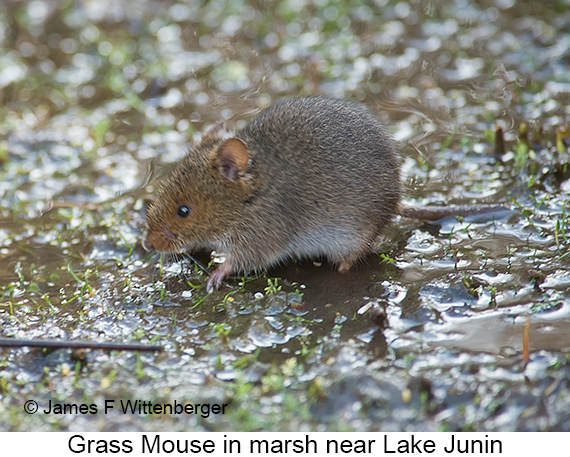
308	177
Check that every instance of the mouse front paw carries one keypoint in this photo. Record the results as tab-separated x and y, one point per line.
218	275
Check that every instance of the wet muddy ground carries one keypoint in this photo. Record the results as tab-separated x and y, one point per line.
99	99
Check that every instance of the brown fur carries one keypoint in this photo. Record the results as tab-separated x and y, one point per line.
315	177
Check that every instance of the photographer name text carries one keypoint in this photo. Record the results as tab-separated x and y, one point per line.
131	407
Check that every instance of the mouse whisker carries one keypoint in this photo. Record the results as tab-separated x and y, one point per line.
199	264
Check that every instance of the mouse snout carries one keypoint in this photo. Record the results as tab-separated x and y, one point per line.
161	240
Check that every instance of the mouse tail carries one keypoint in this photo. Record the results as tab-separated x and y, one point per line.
435	213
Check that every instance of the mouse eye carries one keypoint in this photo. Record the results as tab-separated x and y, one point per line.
183	211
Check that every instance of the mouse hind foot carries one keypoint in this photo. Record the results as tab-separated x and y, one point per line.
345	264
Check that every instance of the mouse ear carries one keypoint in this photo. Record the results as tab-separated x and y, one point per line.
232	158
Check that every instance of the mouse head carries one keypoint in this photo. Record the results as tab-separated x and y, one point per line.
203	196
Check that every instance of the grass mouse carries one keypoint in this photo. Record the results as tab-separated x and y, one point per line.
308	177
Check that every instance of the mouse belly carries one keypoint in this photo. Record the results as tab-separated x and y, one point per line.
336	243
342	245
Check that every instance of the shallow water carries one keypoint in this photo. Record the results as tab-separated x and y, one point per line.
97	101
